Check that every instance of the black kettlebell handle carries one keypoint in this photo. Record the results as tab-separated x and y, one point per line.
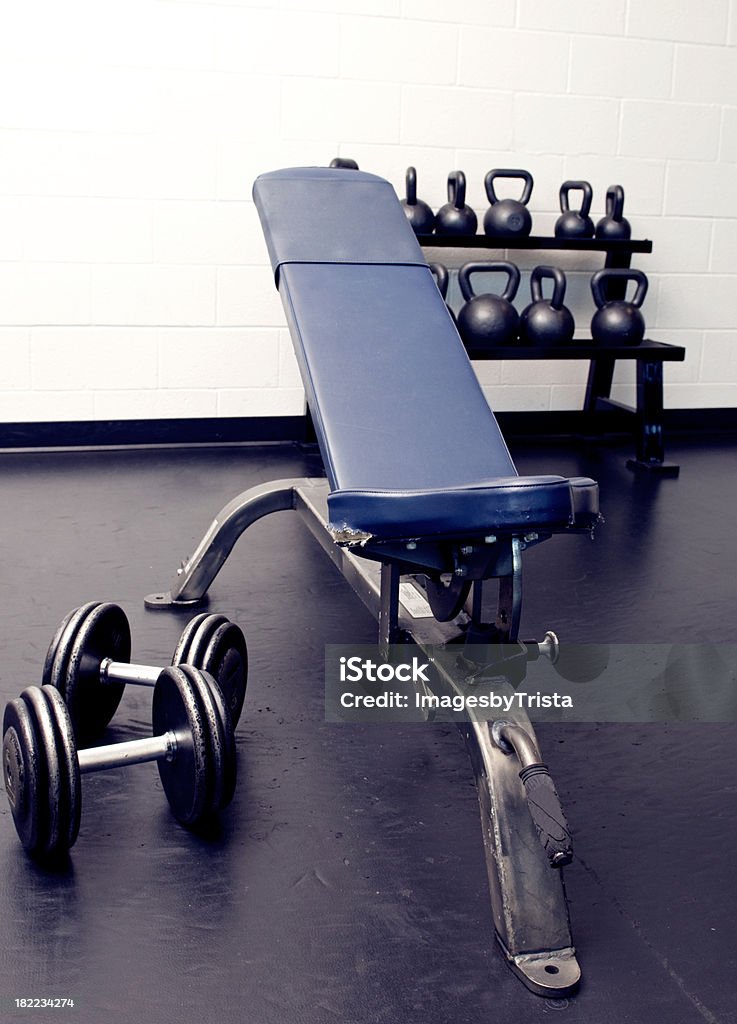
345	162
457	189
601	277
411	180
577	186
440	273
538	275
614	202
510	269
497	173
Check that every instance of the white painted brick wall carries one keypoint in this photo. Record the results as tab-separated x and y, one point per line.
573	16
678	19
16	349
253	351
147	294
133	273
724	247
569	125
86	230
658	129
513	60
105	358
632	68
274	42
471	117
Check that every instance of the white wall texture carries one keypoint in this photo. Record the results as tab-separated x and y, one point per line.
133	274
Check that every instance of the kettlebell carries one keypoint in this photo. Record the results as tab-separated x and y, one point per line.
546	322
442	280
489	319
616	321
418	213
344	162
455	218
575	223
508	217
614	225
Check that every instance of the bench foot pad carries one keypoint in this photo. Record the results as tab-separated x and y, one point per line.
164	600
553	973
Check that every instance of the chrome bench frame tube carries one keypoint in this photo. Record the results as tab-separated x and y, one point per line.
527	896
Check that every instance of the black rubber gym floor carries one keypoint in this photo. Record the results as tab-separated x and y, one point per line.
346	882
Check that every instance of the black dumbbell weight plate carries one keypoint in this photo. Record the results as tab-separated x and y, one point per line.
225	657
68	765
204	688
225	791
181	651
220	739
216	645
186	778
102	631
54	810
55	663
23	776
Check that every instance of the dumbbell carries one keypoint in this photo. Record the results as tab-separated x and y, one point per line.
192	743
88	662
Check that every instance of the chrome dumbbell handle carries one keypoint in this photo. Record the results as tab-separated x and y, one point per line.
192	743
117	755
88	662
123	672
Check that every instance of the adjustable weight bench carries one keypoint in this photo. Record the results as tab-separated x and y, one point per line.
420	485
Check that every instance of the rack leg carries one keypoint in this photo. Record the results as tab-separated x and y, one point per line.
599	383
650	447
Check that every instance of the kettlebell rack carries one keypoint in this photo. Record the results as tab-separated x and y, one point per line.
647	416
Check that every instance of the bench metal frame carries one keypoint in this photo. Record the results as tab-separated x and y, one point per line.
527	894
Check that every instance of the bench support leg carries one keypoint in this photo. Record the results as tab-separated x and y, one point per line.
389	632
196	573
509	610
527	895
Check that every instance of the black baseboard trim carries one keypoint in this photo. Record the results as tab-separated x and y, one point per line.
700	423
576	423
125	433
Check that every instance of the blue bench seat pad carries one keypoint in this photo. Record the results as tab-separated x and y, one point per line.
409	442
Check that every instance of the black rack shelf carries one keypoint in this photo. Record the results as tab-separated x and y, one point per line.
649	356
620	246
586	348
